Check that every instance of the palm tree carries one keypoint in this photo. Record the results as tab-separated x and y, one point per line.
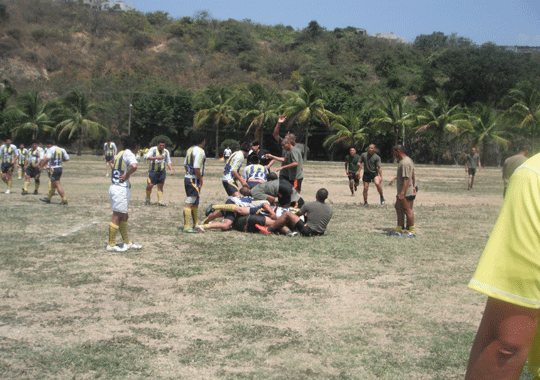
306	106
215	109
525	107
77	116
30	115
486	126
259	108
349	130
395	113
442	118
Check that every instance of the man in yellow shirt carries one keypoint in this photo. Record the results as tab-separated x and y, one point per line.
509	274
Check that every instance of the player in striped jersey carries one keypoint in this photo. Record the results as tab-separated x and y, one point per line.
124	165
21	159
158	157
231	169
254	173
8	155
193	180
109	151
31	167
54	157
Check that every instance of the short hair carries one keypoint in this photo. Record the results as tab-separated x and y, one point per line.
352	147
197	138
33	142
254	143
322	194
245	191
292	136
286	140
399	148
160	141
253	159
271	176
245	147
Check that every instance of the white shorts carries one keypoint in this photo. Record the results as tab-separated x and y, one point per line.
119	196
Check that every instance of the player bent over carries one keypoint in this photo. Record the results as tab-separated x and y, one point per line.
124	165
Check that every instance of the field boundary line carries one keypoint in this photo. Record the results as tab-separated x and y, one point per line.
69	233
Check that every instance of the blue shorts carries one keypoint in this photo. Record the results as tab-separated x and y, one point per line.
156	177
33	172
252	184
56	173
191	186
109	158
230	188
6	167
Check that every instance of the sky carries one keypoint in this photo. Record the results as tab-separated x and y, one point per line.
511	22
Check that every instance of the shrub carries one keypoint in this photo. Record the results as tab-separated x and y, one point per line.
231	143
140	41
168	141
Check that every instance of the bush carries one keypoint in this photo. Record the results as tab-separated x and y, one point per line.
231	143
140	41
168	141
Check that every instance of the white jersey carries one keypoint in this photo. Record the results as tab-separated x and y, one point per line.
34	156
56	156
158	165
109	150
195	159
122	161
234	163
8	153
255	171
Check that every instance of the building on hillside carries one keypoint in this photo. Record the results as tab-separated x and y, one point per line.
105	5
390	36
524	49
361	32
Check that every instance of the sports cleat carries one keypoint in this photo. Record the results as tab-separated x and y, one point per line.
46	200
263	229
147	202
382	201
132	246
355	187
292	233
408	234
366	204
24	192
162	204
35	192
394	233
64	202
8	191
116	248
209	209
200	229
190	230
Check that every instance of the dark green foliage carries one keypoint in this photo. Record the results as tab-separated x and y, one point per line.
140	41
233	38
157	18
168	142
231	143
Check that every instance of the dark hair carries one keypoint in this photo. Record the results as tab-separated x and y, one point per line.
254	143
245	191
197	138
253	159
245	147
160	141
271	176
399	148
322	194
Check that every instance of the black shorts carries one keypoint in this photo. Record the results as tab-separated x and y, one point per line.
157	177
191	185
253	220
368	177
109	158
32	172
472	171
230	188
353	176
305	230
410	198
284	193
7	167
55	174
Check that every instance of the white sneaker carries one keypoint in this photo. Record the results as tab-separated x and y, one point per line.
116	248
200	229
8	192
132	246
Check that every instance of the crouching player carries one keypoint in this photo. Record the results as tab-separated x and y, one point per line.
124	165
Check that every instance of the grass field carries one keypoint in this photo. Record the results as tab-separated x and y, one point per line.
352	304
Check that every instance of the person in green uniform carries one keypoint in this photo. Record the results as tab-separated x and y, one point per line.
352	169
472	162
371	162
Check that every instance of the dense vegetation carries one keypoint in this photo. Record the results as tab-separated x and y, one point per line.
148	74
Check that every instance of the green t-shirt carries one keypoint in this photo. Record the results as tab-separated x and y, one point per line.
405	170
473	161
371	163
297	172
352	163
